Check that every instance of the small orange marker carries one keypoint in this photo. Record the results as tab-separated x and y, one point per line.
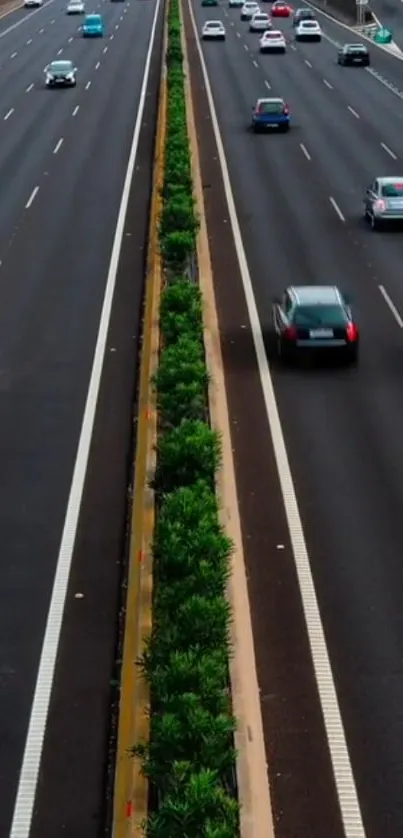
129	809
140	556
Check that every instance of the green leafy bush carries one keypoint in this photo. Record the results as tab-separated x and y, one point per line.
190	757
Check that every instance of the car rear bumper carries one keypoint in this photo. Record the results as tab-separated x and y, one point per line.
213	37
308	37
273	49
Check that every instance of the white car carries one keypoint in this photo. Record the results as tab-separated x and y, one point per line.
273	41
33	4
235	4
75	7
249	9
213	30
260	22
308	30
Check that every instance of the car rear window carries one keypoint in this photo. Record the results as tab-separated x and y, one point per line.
269	35
271	107
392	190
309	24
260	17
319	315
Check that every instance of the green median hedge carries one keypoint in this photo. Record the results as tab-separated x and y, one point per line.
189	758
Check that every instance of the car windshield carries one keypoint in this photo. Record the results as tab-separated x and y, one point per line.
269	36
271	107
93	19
260	17
60	66
319	315
309	24
305	13
392	190
214	25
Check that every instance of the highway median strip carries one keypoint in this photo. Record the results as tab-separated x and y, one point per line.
189	756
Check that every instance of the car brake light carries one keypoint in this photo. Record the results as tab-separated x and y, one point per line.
380	204
352	332
290	333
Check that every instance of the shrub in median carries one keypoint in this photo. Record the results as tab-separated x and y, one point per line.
189	758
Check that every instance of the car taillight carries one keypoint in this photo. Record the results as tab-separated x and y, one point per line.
285	110
290	333
379	204
352	332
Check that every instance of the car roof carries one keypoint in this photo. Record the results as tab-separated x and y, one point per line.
277	32
213	23
309	23
354	46
93	16
271	100
315	294
389	179
62	62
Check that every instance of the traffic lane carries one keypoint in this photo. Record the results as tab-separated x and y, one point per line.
52	285
25	60
21	18
354	153
381	99
336	439
34	23
38	119
387	65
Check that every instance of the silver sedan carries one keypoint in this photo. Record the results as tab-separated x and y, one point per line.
383	201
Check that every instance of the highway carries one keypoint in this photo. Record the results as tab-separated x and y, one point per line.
63	161
299	204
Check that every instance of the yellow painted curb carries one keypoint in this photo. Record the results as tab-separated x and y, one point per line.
256	820
131	787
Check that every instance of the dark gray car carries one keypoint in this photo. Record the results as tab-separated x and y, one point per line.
61	74
383	201
315	318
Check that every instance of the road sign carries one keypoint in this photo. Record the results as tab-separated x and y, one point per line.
361	2
383	36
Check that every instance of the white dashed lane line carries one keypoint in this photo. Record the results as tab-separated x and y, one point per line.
391	306
98	64
60	51
238	34
13	55
41	31
32	197
268	85
29	88
308	63
353	112
8	114
29	41
88	85
256	64
70	40
330	86
389	151
58	145
305	151
111	37
245	46
105	49
336	208
53	21
76	109
117	26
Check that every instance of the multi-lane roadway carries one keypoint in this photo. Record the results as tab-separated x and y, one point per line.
64	155
298	199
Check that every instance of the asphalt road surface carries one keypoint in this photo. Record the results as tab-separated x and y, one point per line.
63	160
299	202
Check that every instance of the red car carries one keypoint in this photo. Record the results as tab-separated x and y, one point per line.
280	9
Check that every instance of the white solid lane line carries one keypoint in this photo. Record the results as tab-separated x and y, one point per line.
29	88
8	114
336	208
88	85
389	151
304	151
354	113
58	145
330	86
76	109
32	197
336	737
98	64
391	306
31	761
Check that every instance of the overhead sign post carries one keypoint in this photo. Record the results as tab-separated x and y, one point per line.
360	7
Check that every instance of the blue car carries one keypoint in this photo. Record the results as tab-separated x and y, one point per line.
93	27
270	113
